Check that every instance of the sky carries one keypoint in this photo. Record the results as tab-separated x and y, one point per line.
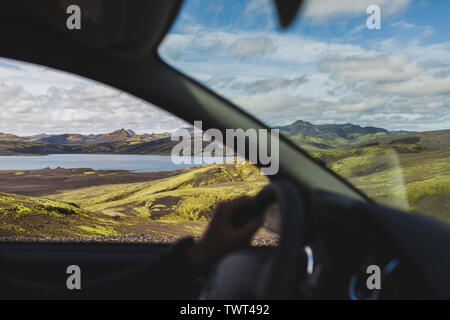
36	99
327	68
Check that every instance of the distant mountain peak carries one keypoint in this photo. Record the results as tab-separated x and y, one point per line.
301	121
119	132
343	130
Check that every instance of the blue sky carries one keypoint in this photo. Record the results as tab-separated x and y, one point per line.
328	67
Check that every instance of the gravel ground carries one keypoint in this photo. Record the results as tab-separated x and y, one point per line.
128	238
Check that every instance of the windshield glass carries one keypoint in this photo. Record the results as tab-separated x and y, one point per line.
364	89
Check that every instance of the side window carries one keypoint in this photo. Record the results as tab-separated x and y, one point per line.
80	159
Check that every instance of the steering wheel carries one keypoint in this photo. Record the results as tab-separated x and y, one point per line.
272	274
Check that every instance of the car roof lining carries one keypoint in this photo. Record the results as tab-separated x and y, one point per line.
146	76
128	30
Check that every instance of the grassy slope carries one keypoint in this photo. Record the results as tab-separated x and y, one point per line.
32	216
408	171
178	205
188	196
332	141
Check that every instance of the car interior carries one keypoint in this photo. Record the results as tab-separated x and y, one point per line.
330	232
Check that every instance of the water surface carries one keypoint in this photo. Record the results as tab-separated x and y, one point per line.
138	163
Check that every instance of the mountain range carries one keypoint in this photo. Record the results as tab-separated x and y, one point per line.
346	130
79	139
126	141
330	136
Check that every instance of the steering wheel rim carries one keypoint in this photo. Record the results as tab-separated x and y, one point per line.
269	274
276	278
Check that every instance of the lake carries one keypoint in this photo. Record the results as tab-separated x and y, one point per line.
138	163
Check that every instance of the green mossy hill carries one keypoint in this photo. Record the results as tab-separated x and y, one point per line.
38	217
189	196
403	142
428	141
161	146
19	206
407	176
334	141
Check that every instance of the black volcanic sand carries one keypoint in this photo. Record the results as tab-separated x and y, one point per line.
45	181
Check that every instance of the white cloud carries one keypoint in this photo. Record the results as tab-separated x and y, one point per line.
37	79
422	85
405	113
371	67
404	25
251	46
389	74
174	45
92	108
256	86
259	6
415	50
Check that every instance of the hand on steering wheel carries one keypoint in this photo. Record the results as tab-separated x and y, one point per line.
221	237
273	278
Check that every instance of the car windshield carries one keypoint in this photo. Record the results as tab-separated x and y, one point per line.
363	88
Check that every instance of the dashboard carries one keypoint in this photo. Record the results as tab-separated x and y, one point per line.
347	254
